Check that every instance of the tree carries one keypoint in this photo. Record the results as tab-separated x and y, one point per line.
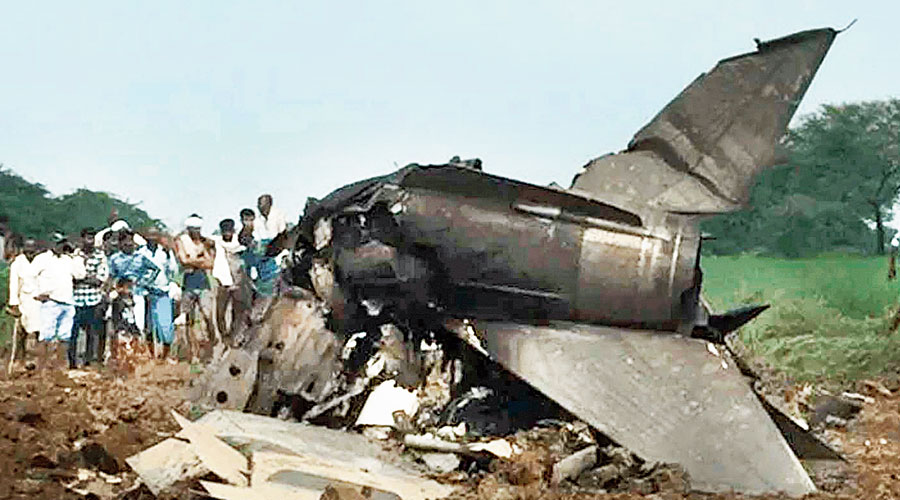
850	154
33	212
843	168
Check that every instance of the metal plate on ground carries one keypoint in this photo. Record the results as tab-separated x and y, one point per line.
665	397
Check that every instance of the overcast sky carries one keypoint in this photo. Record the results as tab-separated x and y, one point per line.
202	106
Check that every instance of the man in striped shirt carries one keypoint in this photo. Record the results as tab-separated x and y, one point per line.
89	303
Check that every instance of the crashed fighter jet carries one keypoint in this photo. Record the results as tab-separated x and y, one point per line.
590	294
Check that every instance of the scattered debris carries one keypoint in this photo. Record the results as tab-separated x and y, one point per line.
165	464
878	387
441	463
839	409
572	466
854	396
384	401
439	295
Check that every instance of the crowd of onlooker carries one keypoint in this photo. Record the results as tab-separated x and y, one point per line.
116	285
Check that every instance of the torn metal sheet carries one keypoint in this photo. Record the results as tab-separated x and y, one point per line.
700	154
301	455
665	397
167	463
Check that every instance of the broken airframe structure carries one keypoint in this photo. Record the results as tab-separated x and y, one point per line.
591	294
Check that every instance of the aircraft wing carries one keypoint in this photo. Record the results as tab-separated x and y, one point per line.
700	154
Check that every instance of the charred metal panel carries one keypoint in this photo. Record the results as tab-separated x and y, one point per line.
632	279
471	183
702	151
661	395
489	250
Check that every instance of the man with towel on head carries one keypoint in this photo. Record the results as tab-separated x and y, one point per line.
234	284
196	255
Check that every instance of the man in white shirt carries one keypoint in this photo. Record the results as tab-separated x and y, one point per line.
271	222
56	269
22	292
234	284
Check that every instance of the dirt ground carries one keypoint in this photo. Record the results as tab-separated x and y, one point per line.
76	427
66	434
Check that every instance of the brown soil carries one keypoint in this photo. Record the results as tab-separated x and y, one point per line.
57	424
77	427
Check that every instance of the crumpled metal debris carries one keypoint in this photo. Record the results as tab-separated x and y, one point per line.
436	275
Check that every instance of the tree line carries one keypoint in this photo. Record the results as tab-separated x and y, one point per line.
834	192
29	210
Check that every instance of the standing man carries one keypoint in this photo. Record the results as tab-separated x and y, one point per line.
89	305
22	293
56	270
248	221
234	286
272	220
159	292
126	264
196	255
116	226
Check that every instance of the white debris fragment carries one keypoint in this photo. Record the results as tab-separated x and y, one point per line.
377	432
498	447
452	432
384	401
373	308
350	345
712	349
882	441
375	365
322	233
573	465
868	443
858	397
441	463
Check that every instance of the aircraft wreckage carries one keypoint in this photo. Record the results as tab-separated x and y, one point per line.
590	295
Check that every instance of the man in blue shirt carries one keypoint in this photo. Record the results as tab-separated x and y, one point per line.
126	264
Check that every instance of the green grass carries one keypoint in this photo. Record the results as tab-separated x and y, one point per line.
830	315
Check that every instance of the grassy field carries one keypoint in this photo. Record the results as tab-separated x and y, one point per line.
829	318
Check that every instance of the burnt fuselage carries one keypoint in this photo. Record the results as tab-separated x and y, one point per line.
480	246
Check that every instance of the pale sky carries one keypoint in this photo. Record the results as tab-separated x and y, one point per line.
202	106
